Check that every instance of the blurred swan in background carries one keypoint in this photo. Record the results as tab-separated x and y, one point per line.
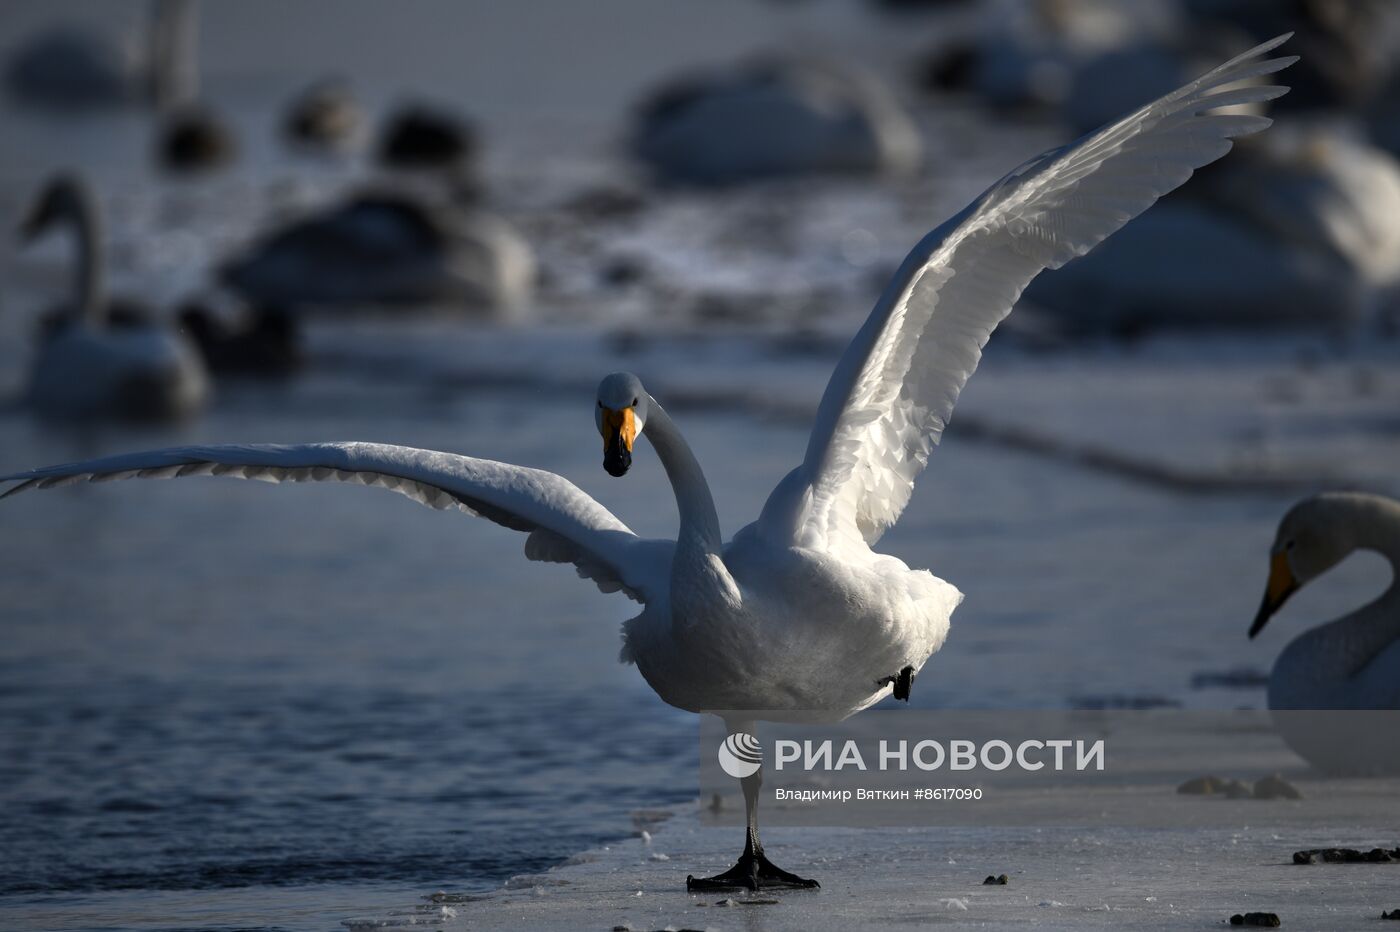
69	68
96	358
191	139
1301	228
325	118
1085	60
249	341
72	69
1027	53
388	248
1352	662
420	137
773	117
797	613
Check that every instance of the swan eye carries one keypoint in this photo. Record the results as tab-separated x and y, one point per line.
1289	545
600	404
634	402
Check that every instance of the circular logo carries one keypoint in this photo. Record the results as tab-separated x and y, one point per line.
740	755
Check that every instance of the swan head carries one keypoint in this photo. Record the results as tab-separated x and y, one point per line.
621	414
1312	538
63	196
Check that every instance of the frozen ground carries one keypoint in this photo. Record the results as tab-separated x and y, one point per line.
1191	862
933	878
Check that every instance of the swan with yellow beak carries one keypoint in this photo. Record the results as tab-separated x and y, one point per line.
798	616
619	421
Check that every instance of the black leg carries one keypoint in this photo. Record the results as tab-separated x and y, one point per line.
753	870
903	682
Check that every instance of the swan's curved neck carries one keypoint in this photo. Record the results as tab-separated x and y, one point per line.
699	520
173	73
1373	524
89	294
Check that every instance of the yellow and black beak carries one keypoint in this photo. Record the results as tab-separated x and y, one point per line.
619	430
1282	584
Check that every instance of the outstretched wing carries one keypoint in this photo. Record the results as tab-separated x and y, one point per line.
894	389
565	524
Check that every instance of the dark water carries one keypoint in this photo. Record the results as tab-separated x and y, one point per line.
220	689
143	784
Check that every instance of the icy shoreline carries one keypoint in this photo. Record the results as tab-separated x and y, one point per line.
1058	879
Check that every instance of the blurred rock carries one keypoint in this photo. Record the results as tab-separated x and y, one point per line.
1275	787
1236	789
1201	786
1346	856
771	118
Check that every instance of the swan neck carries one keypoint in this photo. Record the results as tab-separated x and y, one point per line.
699	520
1374	524
89	291
173	73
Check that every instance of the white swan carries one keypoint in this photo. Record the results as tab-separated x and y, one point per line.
1297	228
69	68
774	117
1350	663
797	613
97	359
388	247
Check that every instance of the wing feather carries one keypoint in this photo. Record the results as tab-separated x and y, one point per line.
565	525
894	390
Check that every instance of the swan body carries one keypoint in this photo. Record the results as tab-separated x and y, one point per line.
253	342
388	249
325	117
809	632
798	616
1351	663
1030	53
774	118
73	69
1299	228
421	137
192	139
96	359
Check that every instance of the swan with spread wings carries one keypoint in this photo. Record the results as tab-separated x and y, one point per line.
797	615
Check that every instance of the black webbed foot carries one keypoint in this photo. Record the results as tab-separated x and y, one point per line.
752	872
903	681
